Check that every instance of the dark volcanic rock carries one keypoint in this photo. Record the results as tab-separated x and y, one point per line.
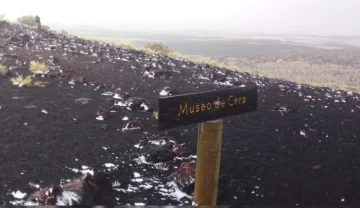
185	176
268	157
80	191
162	149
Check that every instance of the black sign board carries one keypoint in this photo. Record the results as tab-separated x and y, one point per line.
192	108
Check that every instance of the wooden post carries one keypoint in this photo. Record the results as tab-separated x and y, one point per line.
208	162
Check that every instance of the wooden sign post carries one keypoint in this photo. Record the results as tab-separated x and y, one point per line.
206	109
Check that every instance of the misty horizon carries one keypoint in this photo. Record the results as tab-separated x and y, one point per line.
307	17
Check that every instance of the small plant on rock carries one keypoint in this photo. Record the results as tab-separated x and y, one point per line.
3	70
155	114
28	20
22	81
159	48
38	68
127	45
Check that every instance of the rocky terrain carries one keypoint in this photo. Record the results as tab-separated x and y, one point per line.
93	112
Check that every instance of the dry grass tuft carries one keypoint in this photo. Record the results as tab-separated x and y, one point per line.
3	70
22	81
38	68
124	44
155	114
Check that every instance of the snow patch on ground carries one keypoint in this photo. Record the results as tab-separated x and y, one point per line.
67	198
18	194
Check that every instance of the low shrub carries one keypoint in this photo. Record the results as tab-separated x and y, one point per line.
22	81
38	68
3	70
28	20
159	48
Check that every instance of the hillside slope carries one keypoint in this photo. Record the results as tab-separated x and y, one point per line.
306	156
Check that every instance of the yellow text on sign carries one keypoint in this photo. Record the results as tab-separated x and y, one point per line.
231	101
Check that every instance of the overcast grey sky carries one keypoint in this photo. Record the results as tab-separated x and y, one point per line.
322	17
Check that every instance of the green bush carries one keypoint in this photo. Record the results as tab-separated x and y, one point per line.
28	20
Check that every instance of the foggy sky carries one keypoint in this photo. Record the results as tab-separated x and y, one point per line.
319	17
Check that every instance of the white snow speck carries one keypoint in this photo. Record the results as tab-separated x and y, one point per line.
111	166
107	94
84	171
146	186
18	194
149	74
105	148
136	175
100	118
115	184
44	111
117	96
342	199
173	192
30	203
84	167
17	202
121	103
126	128
158	142
161	166
125	118
72	82
141	160
146	108
202	77
139	204
226	83
67	198
37	186
138	180
164	93
302	132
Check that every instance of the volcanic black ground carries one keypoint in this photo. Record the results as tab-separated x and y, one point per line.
310	156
